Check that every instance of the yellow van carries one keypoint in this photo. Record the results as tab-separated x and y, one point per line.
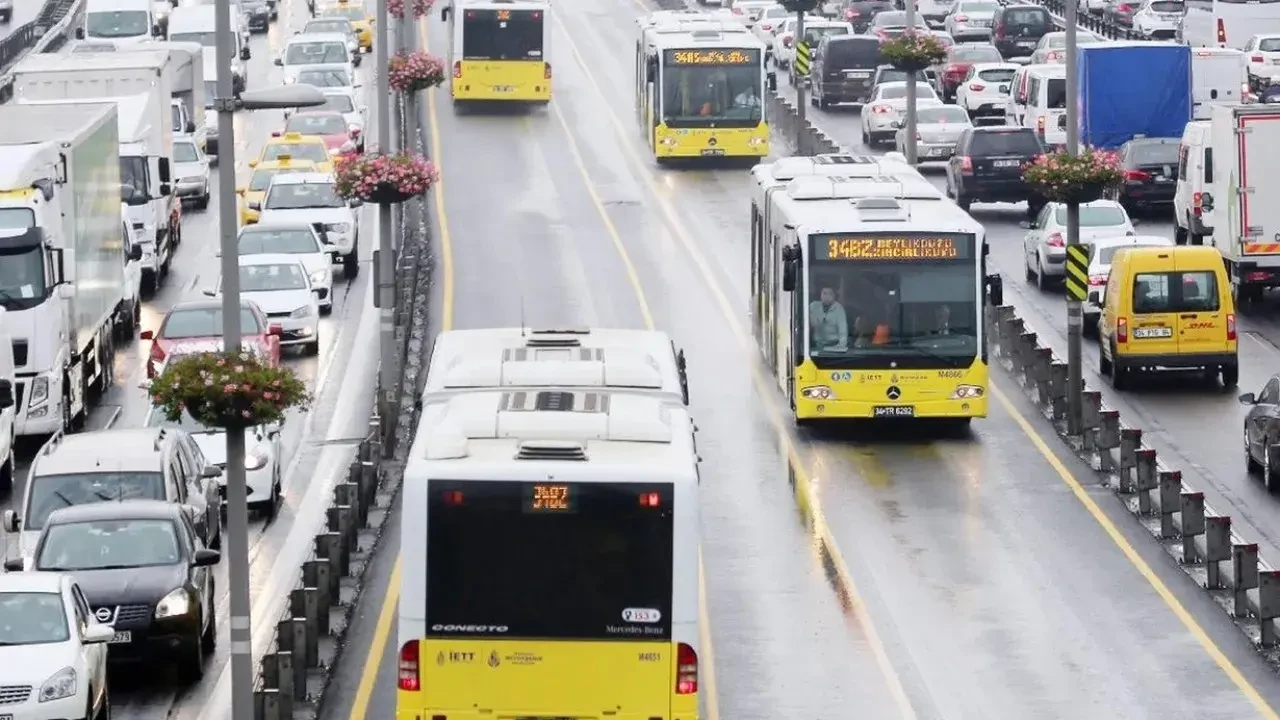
1168	307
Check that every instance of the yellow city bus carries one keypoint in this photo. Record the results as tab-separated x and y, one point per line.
550	558
499	50
700	88
868	294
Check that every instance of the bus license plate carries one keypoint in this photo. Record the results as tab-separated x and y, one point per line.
891	411
713	152
1155	332
122	637
503	88
6	717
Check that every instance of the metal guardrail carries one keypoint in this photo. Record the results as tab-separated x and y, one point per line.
47	33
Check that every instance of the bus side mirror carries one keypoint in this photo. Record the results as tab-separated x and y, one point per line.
444	13
995	290
789	276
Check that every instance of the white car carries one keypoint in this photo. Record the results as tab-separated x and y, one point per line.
303	241
984	92
1052	48
784	36
306	50
887	105
1263	53
1044	247
814	31
328	75
937	129
1101	250
1097	7
313	198
339	25
343	100
971	19
262	461
53	650
768	21
280	285
191	170
1158	19
749	11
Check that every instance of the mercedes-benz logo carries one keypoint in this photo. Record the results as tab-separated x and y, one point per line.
893	393
103	614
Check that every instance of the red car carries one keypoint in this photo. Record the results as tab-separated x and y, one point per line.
328	126
196	326
959	59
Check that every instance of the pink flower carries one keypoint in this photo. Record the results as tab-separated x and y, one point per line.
228	388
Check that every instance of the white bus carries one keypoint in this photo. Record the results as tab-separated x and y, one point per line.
504	358
550	557
1227	23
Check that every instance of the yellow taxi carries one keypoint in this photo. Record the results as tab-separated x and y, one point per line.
299	148
256	190
361	20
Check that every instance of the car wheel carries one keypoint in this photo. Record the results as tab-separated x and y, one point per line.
1026	264
1104	365
271	506
965	202
1230	375
1041	283
105	712
351	263
1179	234
191	666
215	535
202	202
210	639
1269	475
1251	466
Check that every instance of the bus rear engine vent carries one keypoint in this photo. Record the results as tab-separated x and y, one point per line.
551	450
553	401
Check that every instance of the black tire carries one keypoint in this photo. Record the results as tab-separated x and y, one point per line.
273	504
107	357
6	474
823	104
351	263
964	202
191	665
1042	283
210	639
1251	466
1179	234
215	535
311	349
105	713
326	310
1230	375
1270	477
202	202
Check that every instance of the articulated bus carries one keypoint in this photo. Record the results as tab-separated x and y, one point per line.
499	50
868	295
1227	23
700	89
550	558
642	361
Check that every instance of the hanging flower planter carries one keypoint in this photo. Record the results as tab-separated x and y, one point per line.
409	72
383	179
913	51
395	8
1082	178
227	389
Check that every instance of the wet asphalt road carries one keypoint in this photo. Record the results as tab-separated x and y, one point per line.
972	581
317	444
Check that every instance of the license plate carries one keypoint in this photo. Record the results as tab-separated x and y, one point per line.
1155	332
856	75
1275	62
1004	163
980	23
1164	180
119	638
892	411
1027	43
503	88
713	152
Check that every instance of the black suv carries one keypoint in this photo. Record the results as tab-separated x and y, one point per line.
1150	172
987	166
859	13
843	69
1017	29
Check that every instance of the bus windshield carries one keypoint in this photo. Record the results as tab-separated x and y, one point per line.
502	35
712	95
577	561
910	299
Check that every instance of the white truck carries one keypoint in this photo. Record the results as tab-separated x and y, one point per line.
141	84
8	399
62	279
1246	227
188	101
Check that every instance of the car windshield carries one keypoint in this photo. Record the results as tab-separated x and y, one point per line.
315	53
945	115
326	77
32	618
295	196
273	277
207	39
204	322
335	25
350	13
974	53
261	179
997	75
1093	216
899	92
316	124
1150	153
1166	6
185	152
157	418
314	151
977	7
338	104
266	241
109	544
117	23
47	493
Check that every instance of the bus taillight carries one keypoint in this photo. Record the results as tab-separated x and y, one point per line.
457	69
546	71
686	669
409	678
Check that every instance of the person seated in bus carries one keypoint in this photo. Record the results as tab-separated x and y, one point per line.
747	98
870	330
828	324
942	322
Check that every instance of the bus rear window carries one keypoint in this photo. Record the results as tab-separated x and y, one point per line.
502	35
576	561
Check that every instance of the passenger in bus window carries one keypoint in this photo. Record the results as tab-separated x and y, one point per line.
828	324
943	324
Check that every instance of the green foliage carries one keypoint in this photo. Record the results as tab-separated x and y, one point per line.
227	389
913	51
1084	177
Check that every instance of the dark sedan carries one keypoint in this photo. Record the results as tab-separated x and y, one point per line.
1262	433
258	13
144	572
1150	172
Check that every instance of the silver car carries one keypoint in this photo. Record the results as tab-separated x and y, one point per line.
887	106
339	25
971	19
937	129
191	170
1052	48
1045	247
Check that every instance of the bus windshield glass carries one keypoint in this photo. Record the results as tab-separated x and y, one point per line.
565	561
502	35
909	299
712	88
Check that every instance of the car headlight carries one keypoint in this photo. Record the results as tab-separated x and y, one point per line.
320	277
39	391
174	604
256	460
304	311
340	228
818	392
967	392
61	685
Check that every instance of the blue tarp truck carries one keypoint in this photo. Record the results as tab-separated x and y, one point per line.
1133	88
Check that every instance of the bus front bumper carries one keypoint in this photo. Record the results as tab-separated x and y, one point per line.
706	142
807	409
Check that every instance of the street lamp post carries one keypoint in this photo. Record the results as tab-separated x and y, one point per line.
279	98
910	125
385	258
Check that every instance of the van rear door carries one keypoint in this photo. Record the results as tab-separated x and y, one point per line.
1218	76
1202	323
1155	324
1259	221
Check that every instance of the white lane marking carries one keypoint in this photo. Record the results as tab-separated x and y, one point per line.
115	415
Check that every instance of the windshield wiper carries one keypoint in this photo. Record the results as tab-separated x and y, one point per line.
110	567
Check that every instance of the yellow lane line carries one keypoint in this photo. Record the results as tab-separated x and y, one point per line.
377	647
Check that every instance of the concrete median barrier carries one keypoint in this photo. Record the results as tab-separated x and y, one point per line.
807	137
1199	538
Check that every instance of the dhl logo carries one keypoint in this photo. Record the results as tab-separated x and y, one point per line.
1200	326
1261	248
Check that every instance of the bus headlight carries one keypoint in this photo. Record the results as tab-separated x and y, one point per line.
818	392
756	141
669	142
967	392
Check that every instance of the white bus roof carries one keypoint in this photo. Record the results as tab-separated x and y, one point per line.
879	214
784	170
505	4
501	358
818	188
534	432
701	35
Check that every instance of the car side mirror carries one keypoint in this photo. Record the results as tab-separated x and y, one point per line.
157	31
11	521
165	190
66	291
135	253
79	36
6	394
279	62
255	206
355	202
1248	399
205	557
210	472
241	191
444	14
275	329
209	293
191	126
98	633
245	54
15	565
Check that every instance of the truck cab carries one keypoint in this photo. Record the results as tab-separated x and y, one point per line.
122	22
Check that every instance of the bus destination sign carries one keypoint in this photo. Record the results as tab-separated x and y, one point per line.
903	247
713	57
549	498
